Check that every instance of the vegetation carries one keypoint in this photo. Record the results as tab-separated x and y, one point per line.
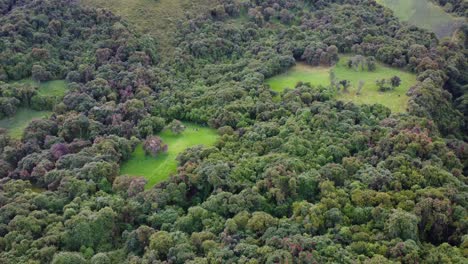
158	168
25	100
425	14
56	88
16	124
396	100
159	18
294	176
458	7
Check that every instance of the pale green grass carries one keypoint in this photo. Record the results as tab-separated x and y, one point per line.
160	168
156	17
300	72
424	14
17	123
50	88
396	100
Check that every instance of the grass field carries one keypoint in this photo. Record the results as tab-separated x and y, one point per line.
424	14
50	88
395	100
156	17
160	168
17	123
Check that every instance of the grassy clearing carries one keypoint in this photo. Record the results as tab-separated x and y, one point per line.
160	168
156	17
17	123
424	14
396	100
51	88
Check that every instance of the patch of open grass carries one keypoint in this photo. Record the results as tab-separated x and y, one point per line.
158	18
424	14
160	168
17	123
56	88
396	100
300	72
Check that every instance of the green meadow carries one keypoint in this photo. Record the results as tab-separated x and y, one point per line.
424	14
160	168
17	123
50	88
396	100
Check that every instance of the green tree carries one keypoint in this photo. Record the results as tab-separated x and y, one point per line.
68	258
176	127
161	242
260	221
401	224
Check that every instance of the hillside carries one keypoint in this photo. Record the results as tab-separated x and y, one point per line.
249	131
159	18
425	14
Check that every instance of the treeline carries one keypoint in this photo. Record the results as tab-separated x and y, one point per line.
459	7
438	65
295	177
46	46
13	96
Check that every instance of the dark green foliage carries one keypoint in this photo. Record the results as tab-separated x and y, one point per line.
459	7
68	258
294	177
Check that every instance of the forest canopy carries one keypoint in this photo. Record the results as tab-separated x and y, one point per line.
295	176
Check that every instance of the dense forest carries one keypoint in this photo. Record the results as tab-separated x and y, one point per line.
295	177
458	7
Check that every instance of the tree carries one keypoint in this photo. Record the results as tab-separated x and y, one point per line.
436	217
383	85
39	73
360	85
151	125
8	106
402	225
268	13
161	242
176	127
40	54
356	62
395	81
332	77
139	239
255	15
134	109
25	93
332	55
100	258
103	55
260	222
90	229
153	145
68	258
345	84
371	64
285	16
58	150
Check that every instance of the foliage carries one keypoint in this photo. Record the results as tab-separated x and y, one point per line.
396	99
425	14
159	168
292	175
176	127
17	123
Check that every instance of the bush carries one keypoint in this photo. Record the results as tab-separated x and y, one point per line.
153	145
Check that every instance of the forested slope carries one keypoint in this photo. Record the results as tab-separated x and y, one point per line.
159	18
296	177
